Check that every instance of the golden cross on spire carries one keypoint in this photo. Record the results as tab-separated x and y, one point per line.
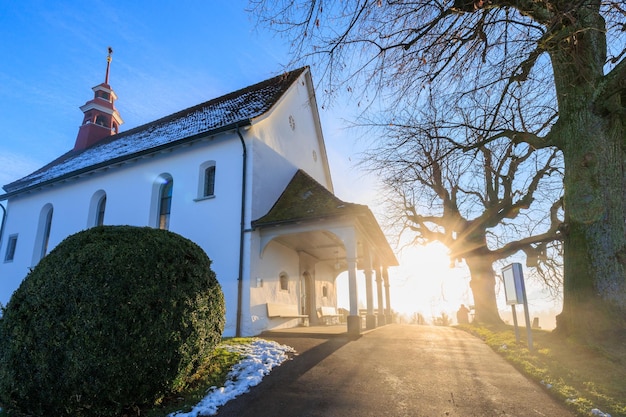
109	59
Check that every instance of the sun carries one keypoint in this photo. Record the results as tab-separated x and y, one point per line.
425	282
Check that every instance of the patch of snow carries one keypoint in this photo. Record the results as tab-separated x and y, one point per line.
547	385
260	357
596	412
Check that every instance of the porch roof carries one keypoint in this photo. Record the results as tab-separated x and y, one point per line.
306	200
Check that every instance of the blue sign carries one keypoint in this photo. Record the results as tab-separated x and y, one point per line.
513	284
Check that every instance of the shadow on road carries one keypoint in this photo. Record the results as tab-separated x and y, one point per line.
396	370
310	351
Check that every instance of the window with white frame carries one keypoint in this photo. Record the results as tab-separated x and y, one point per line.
206	180
100	210
43	233
46	233
165	203
97	208
11	246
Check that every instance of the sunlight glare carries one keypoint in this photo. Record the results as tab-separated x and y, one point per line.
423	283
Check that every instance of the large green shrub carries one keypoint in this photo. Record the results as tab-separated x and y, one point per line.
113	316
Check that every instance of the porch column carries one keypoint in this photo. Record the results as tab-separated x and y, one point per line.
370	318
379	293
388	315
354	320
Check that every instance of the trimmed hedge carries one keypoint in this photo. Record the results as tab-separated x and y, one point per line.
114	316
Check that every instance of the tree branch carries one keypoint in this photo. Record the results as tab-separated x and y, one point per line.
525	244
614	87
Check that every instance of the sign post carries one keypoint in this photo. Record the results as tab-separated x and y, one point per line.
515	293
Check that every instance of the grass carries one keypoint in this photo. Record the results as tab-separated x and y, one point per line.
212	373
581	376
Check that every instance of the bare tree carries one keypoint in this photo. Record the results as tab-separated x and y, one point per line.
485	52
485	205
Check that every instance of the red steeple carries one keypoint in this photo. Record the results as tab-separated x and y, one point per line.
101	119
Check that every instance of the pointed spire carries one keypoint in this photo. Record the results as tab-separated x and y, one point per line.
109	59
101	119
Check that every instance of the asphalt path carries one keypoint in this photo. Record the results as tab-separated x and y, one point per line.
395	370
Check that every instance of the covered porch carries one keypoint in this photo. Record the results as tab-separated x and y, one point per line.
331	236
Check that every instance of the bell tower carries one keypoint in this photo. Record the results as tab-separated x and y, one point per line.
100	119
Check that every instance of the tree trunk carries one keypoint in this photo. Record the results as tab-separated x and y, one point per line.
594	289
483	285
591	135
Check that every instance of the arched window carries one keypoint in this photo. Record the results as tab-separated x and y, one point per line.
206	180
43	233
284	281
324	291
165	203
97	208
209	181
100	211
46	233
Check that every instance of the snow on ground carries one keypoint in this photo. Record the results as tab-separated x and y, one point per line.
260	357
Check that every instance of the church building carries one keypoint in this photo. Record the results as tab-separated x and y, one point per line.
245	176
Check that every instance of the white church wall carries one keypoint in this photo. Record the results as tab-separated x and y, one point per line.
213	223
289	138
13	272
271	173
69	203
266	268
266	286
325	275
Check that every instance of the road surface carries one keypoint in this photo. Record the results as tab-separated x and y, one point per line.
395	370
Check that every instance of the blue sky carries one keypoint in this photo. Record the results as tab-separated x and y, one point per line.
168	55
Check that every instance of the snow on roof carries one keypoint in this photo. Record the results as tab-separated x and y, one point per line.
214	116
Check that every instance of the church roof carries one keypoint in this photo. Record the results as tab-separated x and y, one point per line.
214	116
305	199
